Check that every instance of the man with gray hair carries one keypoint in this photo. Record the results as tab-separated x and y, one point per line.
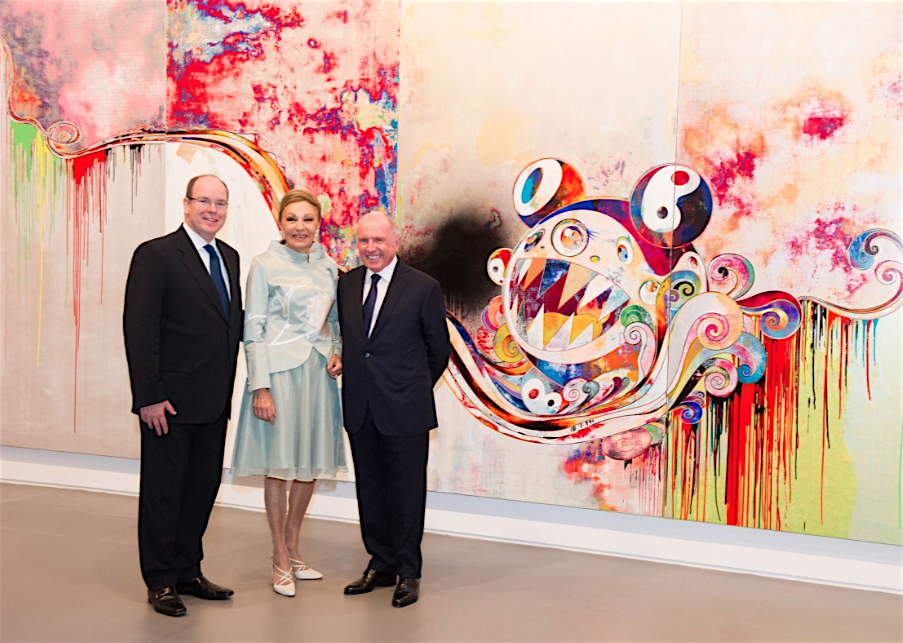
395	349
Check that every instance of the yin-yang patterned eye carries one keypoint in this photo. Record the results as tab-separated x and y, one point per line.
670	206
625	250
532	240
569	237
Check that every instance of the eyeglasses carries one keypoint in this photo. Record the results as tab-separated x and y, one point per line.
205	202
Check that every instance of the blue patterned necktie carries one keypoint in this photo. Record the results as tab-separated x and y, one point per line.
217	274
370	303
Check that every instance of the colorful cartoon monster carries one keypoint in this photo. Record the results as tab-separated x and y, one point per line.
608	318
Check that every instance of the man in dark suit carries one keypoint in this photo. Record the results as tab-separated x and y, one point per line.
395	349
182	324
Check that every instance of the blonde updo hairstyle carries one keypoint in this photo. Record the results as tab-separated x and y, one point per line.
297	196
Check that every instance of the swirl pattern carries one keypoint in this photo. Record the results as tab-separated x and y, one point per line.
731	274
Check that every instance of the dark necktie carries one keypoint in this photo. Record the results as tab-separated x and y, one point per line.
217	274
370	304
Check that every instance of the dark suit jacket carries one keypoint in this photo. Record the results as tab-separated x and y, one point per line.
179	345
394	370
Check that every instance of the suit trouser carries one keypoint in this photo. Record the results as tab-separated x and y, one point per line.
180	476
390	477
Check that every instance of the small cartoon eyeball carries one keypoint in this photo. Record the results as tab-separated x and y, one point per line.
497	264
625	250
570	237
532	240
545	186
670	206
649	291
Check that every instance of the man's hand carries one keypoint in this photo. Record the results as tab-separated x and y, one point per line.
154	416
334	367
264	407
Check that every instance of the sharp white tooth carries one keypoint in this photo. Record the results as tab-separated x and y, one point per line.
522	267
534	332
596	287
583	338
560	341
615	299
514	304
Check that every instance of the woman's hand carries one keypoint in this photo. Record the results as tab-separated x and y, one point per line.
334	367
264	408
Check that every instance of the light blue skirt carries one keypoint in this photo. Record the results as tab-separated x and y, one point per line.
306	442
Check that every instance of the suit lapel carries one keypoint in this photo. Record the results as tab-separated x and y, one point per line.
356	292
393	296
195	266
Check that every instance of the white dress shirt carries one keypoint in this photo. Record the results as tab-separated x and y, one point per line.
199	243
382	287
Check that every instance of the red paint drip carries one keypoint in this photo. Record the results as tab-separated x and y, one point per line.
86	199
760	421
824	420
868	359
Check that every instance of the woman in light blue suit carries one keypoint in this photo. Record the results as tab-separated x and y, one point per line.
290	426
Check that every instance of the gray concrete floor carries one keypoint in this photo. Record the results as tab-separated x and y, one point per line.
69	572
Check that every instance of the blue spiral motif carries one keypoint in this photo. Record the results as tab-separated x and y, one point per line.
684	286
690	412
863	250
753	358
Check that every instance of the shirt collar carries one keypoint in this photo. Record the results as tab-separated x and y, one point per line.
198	241
317	252
386	273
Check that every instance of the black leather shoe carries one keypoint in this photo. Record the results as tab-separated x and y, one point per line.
370	581
407	592
166	601
203	588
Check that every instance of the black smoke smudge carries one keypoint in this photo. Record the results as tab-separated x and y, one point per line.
455	254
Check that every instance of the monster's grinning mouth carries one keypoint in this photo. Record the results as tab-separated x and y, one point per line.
560	305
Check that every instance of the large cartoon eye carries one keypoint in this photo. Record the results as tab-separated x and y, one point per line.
625	250
532	240
670	206
569	238
543	187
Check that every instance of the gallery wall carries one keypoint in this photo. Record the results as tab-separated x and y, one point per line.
759	374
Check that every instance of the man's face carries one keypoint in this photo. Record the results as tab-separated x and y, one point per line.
376	245
202	214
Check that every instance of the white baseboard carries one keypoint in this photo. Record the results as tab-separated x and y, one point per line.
846	563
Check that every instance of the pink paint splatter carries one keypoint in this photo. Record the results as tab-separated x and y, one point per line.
825	234
823	126
728	171
820	118
828	236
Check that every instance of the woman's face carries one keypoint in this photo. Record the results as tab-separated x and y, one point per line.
300	222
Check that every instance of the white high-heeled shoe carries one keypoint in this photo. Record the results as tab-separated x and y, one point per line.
284	584
303	572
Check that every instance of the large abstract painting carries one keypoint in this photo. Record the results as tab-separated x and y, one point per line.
668	234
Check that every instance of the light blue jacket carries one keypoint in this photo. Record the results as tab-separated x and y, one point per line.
290	310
